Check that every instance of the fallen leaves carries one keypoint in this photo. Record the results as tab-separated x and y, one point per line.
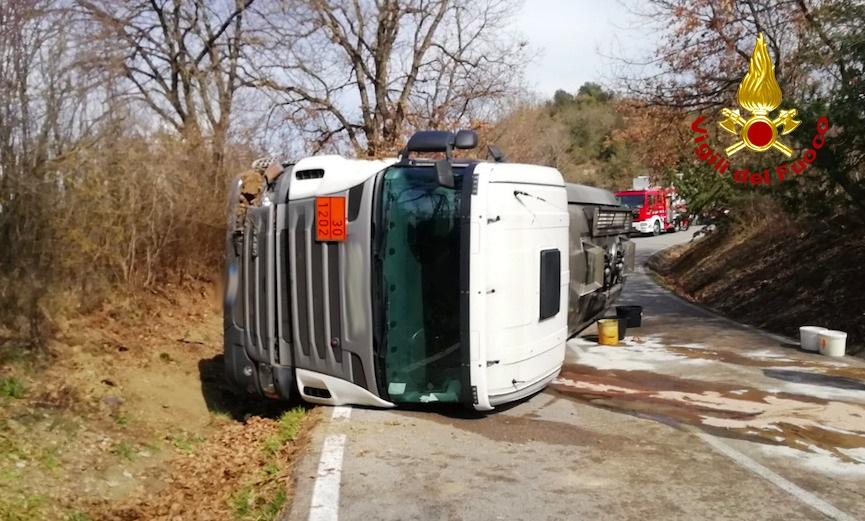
235	473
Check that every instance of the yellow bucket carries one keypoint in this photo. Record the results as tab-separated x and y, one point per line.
608	331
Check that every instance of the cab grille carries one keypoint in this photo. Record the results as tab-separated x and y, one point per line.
316	282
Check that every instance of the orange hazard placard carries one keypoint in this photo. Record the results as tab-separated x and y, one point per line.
330	219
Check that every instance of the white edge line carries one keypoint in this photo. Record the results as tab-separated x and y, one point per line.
791	488
341	412
325	494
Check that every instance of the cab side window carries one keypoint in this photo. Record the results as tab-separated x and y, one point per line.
551	272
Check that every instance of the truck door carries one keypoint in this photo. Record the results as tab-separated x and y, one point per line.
421	255
668	208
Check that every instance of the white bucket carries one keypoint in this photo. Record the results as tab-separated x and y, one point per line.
808	337
832	343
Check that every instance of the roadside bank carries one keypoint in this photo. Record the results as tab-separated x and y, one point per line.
775	274
125	415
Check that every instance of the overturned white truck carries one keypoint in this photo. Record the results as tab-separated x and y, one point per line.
417	280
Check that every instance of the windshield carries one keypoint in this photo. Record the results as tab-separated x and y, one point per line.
420	280
632	201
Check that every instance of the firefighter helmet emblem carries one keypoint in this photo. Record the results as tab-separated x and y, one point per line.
759	94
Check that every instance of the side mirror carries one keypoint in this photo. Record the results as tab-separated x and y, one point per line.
466	139
497	154
445	173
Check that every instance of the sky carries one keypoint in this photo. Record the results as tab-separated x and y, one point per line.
574	36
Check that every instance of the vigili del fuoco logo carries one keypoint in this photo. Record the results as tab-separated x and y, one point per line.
759	95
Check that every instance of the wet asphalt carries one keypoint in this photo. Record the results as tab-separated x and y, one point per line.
692	417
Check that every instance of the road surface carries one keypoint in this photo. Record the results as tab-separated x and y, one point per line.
695	417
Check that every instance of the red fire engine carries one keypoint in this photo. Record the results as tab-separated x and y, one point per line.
655	210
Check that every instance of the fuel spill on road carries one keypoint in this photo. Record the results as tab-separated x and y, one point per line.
628	379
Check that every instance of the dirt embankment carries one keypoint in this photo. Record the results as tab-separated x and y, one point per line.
776	273
126	416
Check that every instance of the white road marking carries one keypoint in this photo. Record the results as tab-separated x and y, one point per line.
791	488
341	412
325	493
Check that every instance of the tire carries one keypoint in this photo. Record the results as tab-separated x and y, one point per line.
656	229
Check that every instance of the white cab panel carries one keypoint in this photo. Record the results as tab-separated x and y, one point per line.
520	173
518	212
340	174
341	391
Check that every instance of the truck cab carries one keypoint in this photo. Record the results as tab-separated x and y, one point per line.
416	280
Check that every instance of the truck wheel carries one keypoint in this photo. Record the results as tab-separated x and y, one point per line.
656	230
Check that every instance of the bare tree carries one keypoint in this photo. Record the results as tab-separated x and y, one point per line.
367	72
704	45
121	120
43	118
183	59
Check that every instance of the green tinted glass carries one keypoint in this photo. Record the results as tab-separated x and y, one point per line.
420	278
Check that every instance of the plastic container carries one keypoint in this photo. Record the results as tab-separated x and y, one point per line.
808	337
832	343
631	315
608	331
623	326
